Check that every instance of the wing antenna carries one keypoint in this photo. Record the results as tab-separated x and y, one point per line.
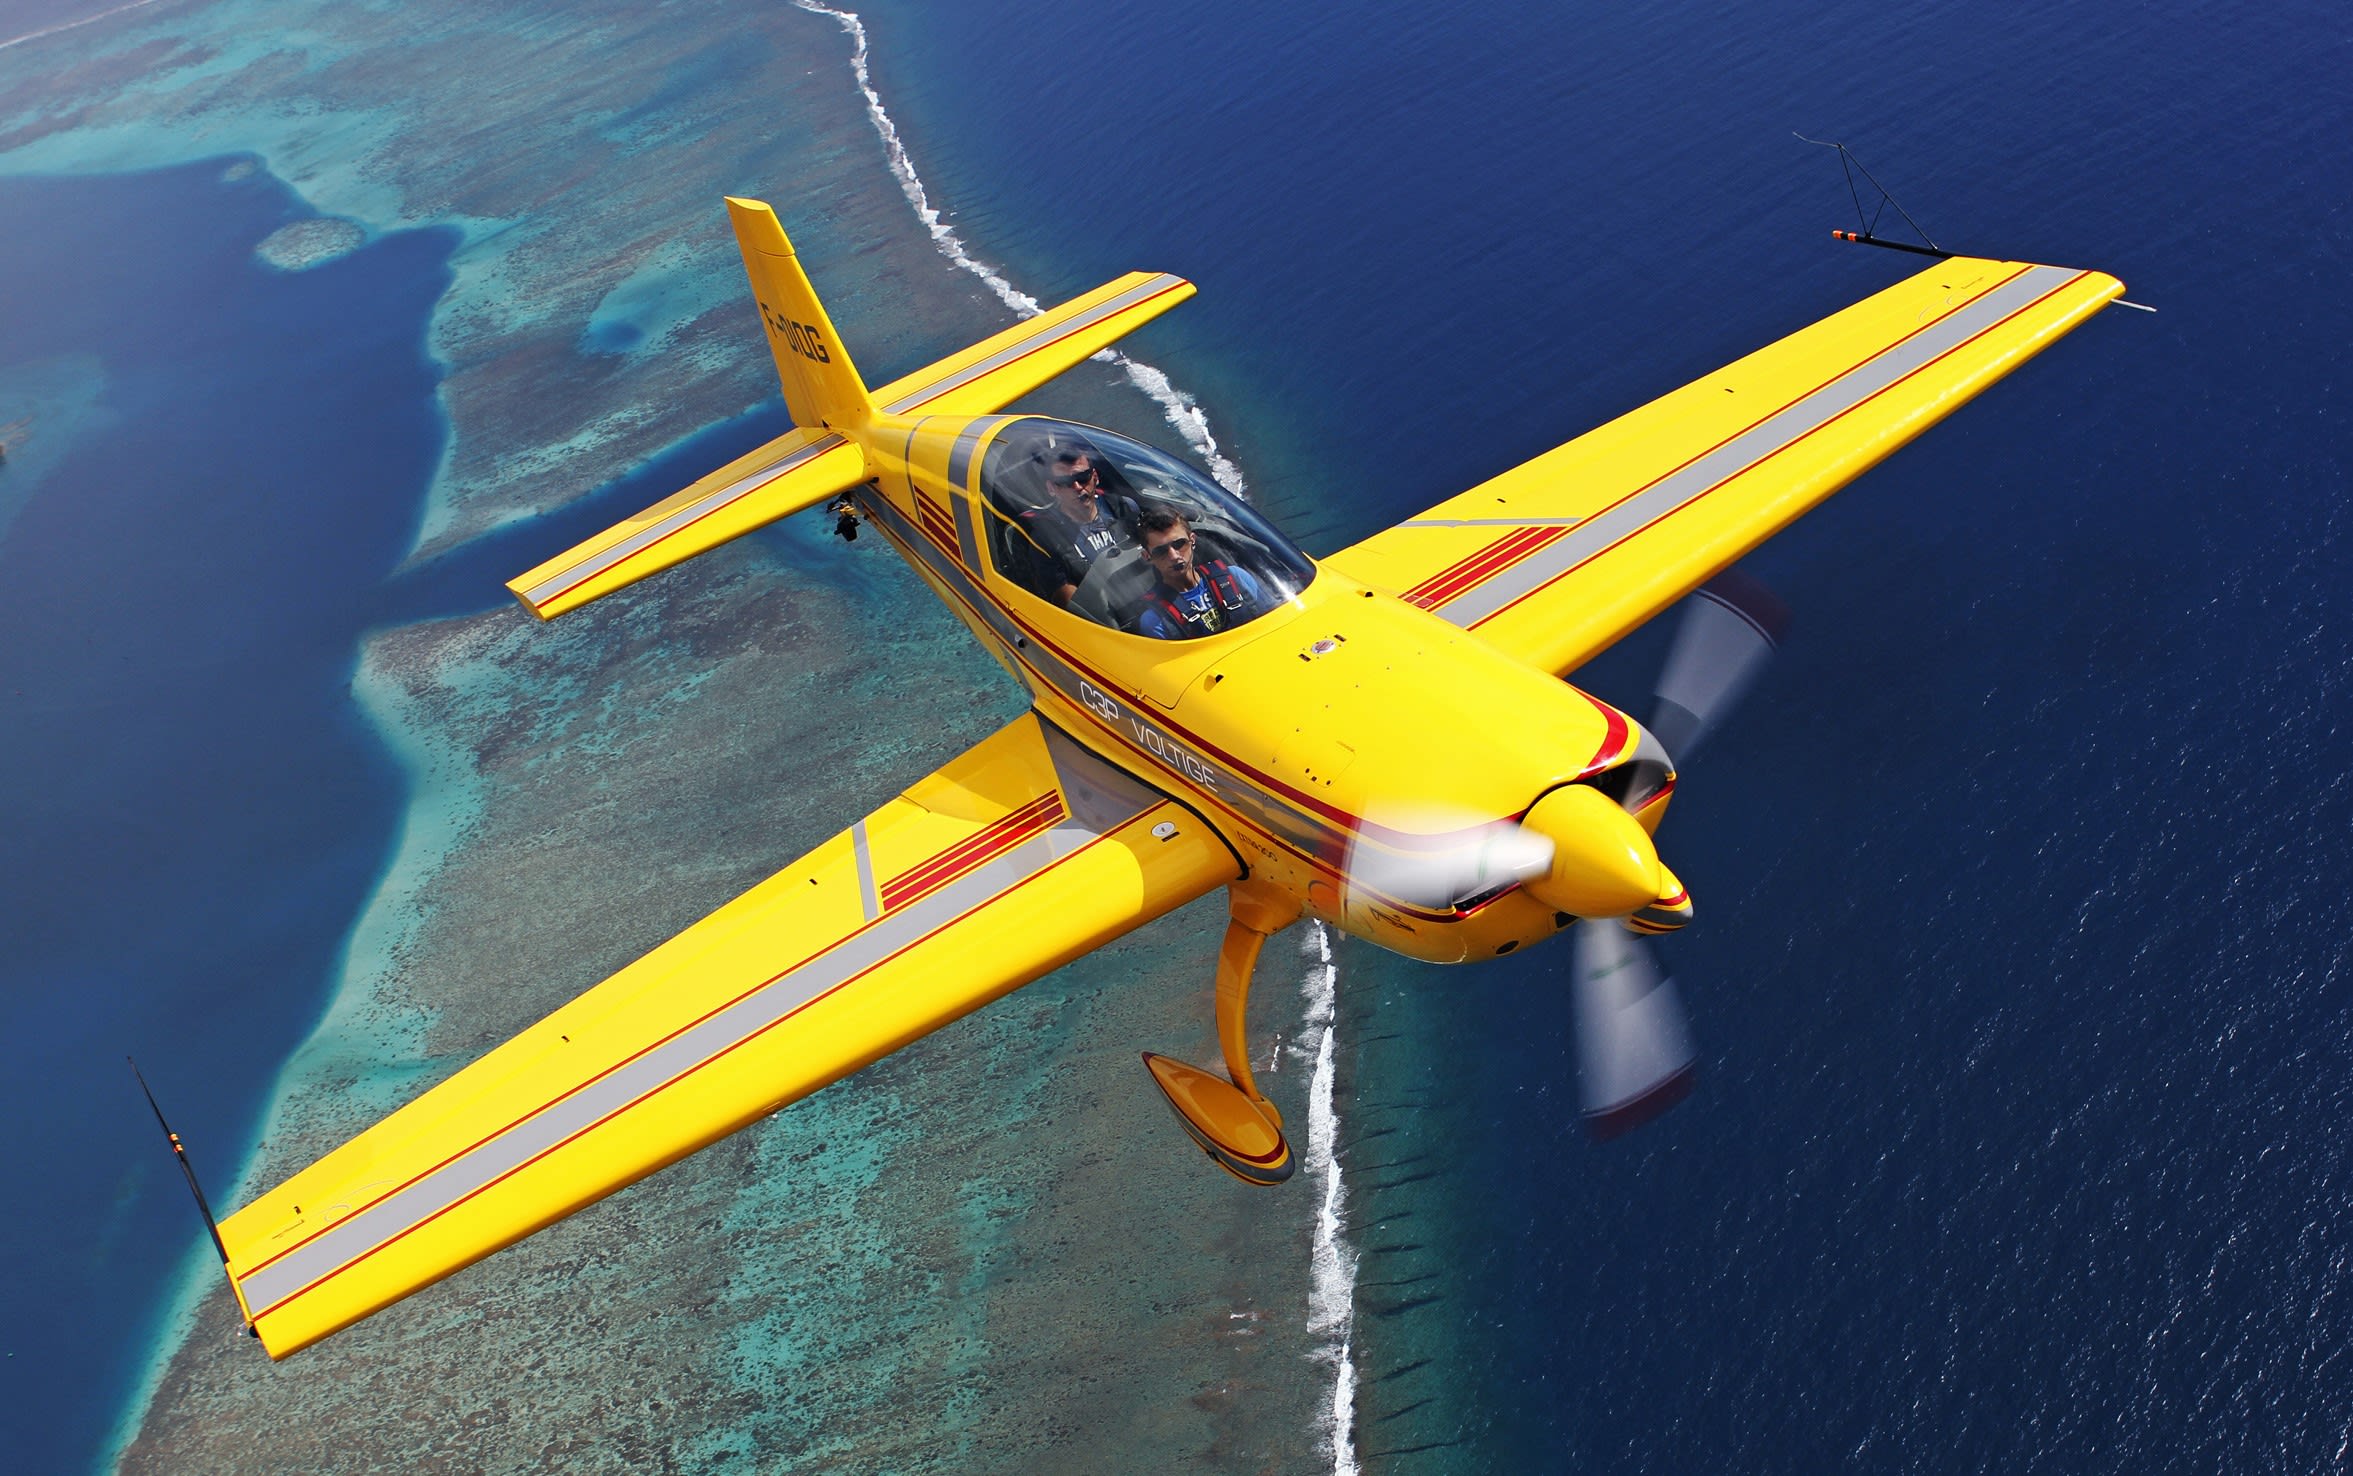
211	1226
1868	235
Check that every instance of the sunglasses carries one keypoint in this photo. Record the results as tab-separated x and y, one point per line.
1173	546
1075	479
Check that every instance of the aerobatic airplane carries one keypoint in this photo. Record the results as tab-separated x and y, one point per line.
1211	708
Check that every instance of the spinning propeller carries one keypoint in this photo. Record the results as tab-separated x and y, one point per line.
1580	851
1730	627
1635	1057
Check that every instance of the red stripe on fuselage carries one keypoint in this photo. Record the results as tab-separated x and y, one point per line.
1468	574
1614	738
999	836
935	523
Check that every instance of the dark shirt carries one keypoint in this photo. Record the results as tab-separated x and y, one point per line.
1060	550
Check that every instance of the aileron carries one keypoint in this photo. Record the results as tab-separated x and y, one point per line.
1557	558
1021	855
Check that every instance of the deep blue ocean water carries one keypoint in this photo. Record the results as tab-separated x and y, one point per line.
2020	966
197	810
194	810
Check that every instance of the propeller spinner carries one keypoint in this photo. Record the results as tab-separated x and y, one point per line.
1581	851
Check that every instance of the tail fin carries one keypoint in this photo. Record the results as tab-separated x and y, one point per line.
821	385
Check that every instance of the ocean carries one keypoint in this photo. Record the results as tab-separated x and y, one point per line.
2019	968
196	811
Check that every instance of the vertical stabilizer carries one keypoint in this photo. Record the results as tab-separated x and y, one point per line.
821	385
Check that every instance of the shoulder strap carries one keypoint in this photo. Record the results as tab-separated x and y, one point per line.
1216	570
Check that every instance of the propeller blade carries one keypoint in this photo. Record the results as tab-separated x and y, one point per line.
1635	1058
1730	627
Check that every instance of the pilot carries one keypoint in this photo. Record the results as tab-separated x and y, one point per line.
1193	595
1080	523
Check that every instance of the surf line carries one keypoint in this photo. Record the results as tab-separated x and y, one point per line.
1331	1297
73	25
1182	410
1331	1287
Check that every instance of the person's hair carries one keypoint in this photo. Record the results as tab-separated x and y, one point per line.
1160	520
1062	447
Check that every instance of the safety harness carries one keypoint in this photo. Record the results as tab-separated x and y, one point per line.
1225	597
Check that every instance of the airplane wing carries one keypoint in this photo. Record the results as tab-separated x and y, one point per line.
1559	557
798	469
1020	855
998	370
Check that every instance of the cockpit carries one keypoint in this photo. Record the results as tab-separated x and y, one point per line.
1129	537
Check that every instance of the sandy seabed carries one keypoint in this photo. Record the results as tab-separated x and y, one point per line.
993	1251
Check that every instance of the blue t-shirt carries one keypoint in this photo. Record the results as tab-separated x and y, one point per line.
1210	605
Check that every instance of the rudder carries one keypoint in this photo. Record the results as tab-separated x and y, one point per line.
821	385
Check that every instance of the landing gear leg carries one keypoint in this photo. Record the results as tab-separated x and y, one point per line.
1232	1120
1252	918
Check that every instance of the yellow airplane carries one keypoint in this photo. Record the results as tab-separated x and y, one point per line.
1380	739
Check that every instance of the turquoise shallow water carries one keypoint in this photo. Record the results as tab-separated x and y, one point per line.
2017	967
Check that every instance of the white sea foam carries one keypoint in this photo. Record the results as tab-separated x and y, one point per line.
1331	1289
1331	1297
73	25
1182	410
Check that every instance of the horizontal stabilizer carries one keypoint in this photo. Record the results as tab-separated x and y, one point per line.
796	470
998	370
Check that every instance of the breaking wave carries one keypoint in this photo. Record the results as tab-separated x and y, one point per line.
1331	1297
72	25
1331	1288
1182	410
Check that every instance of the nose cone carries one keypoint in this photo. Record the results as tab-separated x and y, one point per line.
1666	912
1603	864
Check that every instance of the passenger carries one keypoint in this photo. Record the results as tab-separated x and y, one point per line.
1082	523
1194	596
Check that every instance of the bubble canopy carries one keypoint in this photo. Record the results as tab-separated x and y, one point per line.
1072	508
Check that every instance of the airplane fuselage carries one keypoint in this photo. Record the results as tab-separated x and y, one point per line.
1279	732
